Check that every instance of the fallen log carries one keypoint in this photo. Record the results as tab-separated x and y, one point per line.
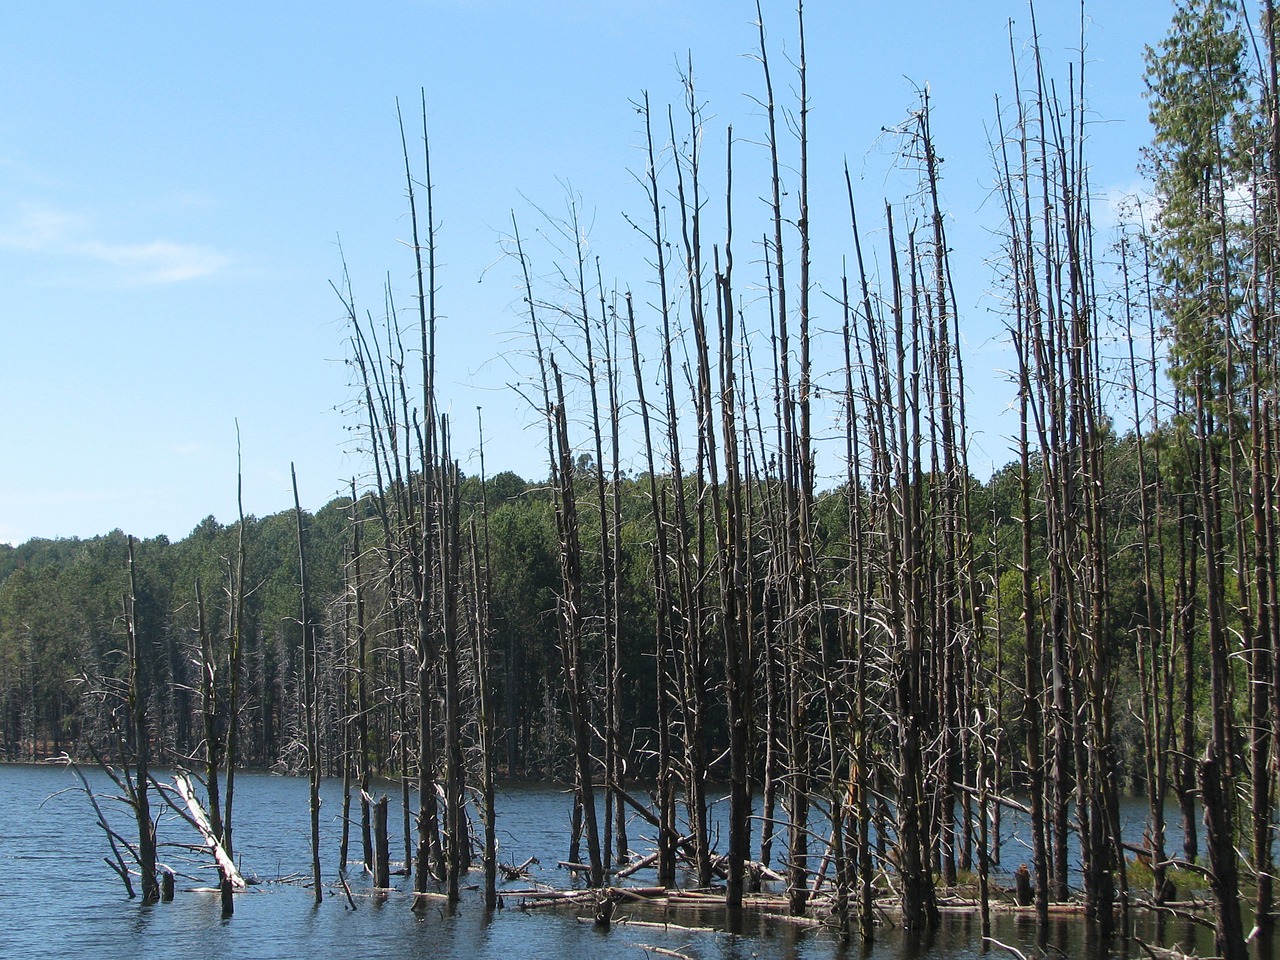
557	898
663	951
639	865
1004	946
643	894
1168	953
665	926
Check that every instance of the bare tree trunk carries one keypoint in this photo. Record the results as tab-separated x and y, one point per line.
310	696
663	628
689	523
666	595
361	682
457	841
235	658
429	861
138	695
574	662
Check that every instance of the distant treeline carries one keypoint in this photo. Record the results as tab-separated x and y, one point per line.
61	623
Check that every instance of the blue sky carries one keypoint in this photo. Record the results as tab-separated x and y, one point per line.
175	180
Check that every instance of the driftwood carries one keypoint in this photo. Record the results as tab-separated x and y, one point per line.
520	872
758	869
665	925
704	898
637	866
347	890
1168	953
643	894
1004	946
1185	914
557	898
663	951
199	819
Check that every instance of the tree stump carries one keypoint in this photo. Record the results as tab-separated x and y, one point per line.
604	910
1022	887
382	854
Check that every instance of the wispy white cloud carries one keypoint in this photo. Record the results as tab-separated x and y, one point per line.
54	232
1132	204
38	227
159	261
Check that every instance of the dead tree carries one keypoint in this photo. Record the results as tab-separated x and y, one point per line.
481	653
138	696
310	695
571	650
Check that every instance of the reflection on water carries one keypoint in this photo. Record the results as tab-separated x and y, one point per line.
57	896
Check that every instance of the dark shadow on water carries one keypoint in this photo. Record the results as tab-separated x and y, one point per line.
142	920
733	920
916	944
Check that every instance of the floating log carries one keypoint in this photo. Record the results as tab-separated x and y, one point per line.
1169	953
665	925
557	898
643	894
663	951
1004	946
798	921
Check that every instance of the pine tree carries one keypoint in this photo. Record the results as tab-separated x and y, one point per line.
1197	91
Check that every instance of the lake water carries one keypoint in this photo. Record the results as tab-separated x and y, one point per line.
58	897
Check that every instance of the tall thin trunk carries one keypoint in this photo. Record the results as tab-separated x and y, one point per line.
310	694
571	652
481	654
140	730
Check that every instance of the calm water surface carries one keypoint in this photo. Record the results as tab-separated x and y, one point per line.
57	897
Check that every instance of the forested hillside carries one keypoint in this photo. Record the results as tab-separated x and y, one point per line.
61	621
